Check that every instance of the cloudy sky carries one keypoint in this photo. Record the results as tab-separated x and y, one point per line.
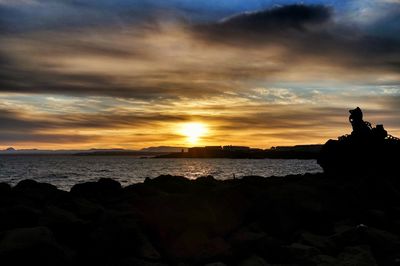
131	74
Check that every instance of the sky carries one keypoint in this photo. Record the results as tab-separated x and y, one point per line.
78	74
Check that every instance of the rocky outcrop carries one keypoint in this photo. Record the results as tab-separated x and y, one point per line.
297	220
366	151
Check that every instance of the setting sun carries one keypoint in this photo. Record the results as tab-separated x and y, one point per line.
193	131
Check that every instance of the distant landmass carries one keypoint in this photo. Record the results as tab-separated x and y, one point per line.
279	152
243	152
164	149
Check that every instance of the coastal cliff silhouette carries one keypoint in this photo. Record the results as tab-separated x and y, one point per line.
366	150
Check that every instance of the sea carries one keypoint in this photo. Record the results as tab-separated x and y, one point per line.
66	171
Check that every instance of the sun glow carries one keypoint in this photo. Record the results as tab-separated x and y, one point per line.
193	131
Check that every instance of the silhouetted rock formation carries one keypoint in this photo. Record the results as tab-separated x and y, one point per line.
170	220
366	150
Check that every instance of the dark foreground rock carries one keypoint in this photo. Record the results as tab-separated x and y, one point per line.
295	220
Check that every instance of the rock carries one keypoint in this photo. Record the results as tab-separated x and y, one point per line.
32	246
100	190
322	243
244	236
273	250
86	209
65	225
363	235
214	249
206	181
254	261
35	192
215	264
133	262
357	256
302	253
376	218
245	241
324	260
169	183
119	236
5	189
20	216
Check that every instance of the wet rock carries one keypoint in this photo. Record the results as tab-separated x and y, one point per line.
32	246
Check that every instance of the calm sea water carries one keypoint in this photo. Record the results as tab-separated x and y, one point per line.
65	171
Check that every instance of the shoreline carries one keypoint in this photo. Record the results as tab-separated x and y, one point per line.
311	219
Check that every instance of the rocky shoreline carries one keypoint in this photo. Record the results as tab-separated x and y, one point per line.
313	219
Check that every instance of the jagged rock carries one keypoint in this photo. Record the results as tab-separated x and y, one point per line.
32	246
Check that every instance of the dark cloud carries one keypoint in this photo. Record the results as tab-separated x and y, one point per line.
307	33
277	19
23	17
21	79
267	24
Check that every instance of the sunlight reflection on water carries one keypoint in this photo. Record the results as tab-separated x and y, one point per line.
65	171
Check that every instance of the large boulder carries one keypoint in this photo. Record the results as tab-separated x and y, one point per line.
35	193
5	190
101	190
32	246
